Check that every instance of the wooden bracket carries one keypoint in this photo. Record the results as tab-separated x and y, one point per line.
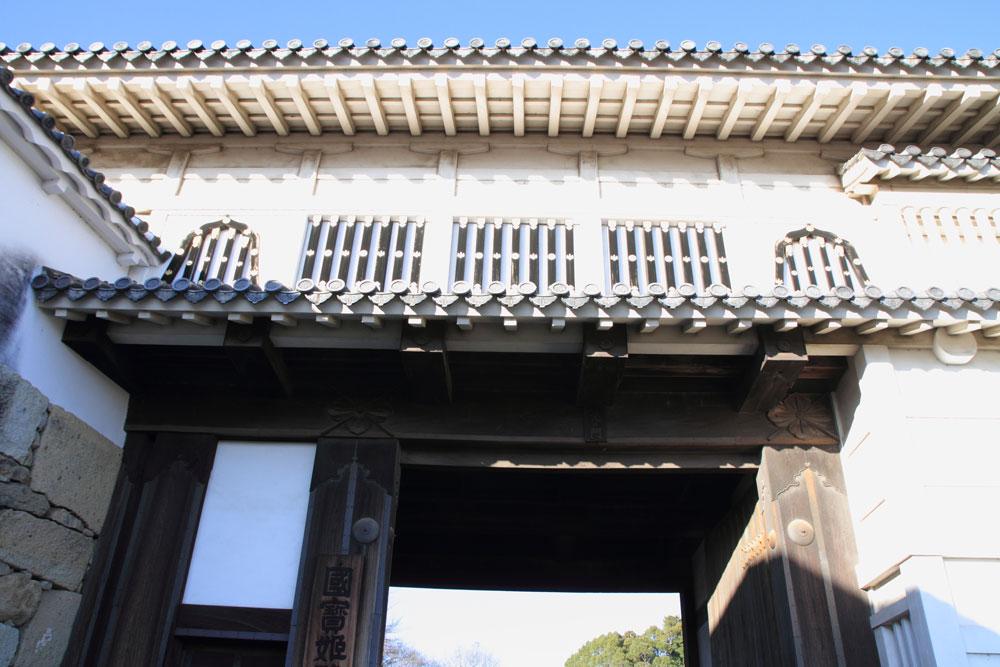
425	362
602	365
89	339
256	359
779	360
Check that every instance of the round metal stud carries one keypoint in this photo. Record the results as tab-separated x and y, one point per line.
365	530
801	532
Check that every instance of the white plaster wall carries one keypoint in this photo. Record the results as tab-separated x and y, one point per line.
922	460
47	231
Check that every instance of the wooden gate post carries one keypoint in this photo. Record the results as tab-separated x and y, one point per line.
340	602
821	614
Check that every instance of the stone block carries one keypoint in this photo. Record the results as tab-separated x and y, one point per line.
46	636
22	411
19	598
8	644
44	548
76	467
59	515
12	471
20	497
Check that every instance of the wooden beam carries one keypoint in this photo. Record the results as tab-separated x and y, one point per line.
234	107
132	106
409	99
425	362
197	102
855	93
808	110
301	99
894	96
444	101
954	110
986	115
663	108
90	340
555	105
517	92
602	365
593	102
255	358
50	95
258	86
628	106
336	95
100	107
703	89
732	114
779	360
165	105
766	119
932	95
482	104
374	102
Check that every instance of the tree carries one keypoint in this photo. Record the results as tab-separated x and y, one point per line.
396	653
656	647
472	656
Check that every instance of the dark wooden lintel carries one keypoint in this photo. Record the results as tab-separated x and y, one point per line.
779	360
602	365
255	358
89	339
425	362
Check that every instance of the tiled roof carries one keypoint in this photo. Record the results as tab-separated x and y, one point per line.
868	311
66	144
503	50
915	164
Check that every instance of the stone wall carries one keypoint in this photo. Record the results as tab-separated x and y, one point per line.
57	475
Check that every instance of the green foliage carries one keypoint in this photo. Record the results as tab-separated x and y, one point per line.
656	647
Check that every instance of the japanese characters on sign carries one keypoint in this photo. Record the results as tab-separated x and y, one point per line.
334	612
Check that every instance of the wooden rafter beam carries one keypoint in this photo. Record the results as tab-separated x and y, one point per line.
132	106
482	104
425	362
304	106
336	94
593	102
987	114
602	365
628	106
555	105
893	97
264	97
233	107
732	115
444	100
255	358
517	92
663	108
932	95
954	110
409	100
774	104
165	105
196	101
855	94
89	339
702	90
48	90
806	113
100	107
777	364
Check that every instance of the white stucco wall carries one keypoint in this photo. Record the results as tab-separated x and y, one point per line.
922	460
45	231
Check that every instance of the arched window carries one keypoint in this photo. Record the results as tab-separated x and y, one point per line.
811	257
225	250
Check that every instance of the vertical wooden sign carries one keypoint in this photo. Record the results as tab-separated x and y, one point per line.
333	616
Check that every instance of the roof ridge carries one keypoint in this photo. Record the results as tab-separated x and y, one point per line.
67	145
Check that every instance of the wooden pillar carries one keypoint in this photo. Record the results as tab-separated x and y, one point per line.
134	585
340	603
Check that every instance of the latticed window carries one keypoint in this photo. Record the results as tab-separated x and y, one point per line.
344	251
225	251
491	254
651	257
811	257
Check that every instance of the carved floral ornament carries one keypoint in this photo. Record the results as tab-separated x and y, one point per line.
803	417
358	417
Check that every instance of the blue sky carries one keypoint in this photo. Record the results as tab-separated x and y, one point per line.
904	23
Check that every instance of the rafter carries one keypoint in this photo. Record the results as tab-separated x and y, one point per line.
100	107
374	102
233	107
855	93
409	99
164	103
555	105
197	102
663	108
732	114
969	97
482	104
628	106
301	100
444	99
766	119
336	95
129	102
55	98
517	84
932	95
987	114
593	102
702	90
893	97
806	113
266	101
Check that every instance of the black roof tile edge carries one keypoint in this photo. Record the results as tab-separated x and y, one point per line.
817	53
932	155
67	144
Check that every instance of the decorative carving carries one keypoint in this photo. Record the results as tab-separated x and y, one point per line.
358	416
803	417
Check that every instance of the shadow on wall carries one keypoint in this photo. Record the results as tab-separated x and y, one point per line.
16	268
